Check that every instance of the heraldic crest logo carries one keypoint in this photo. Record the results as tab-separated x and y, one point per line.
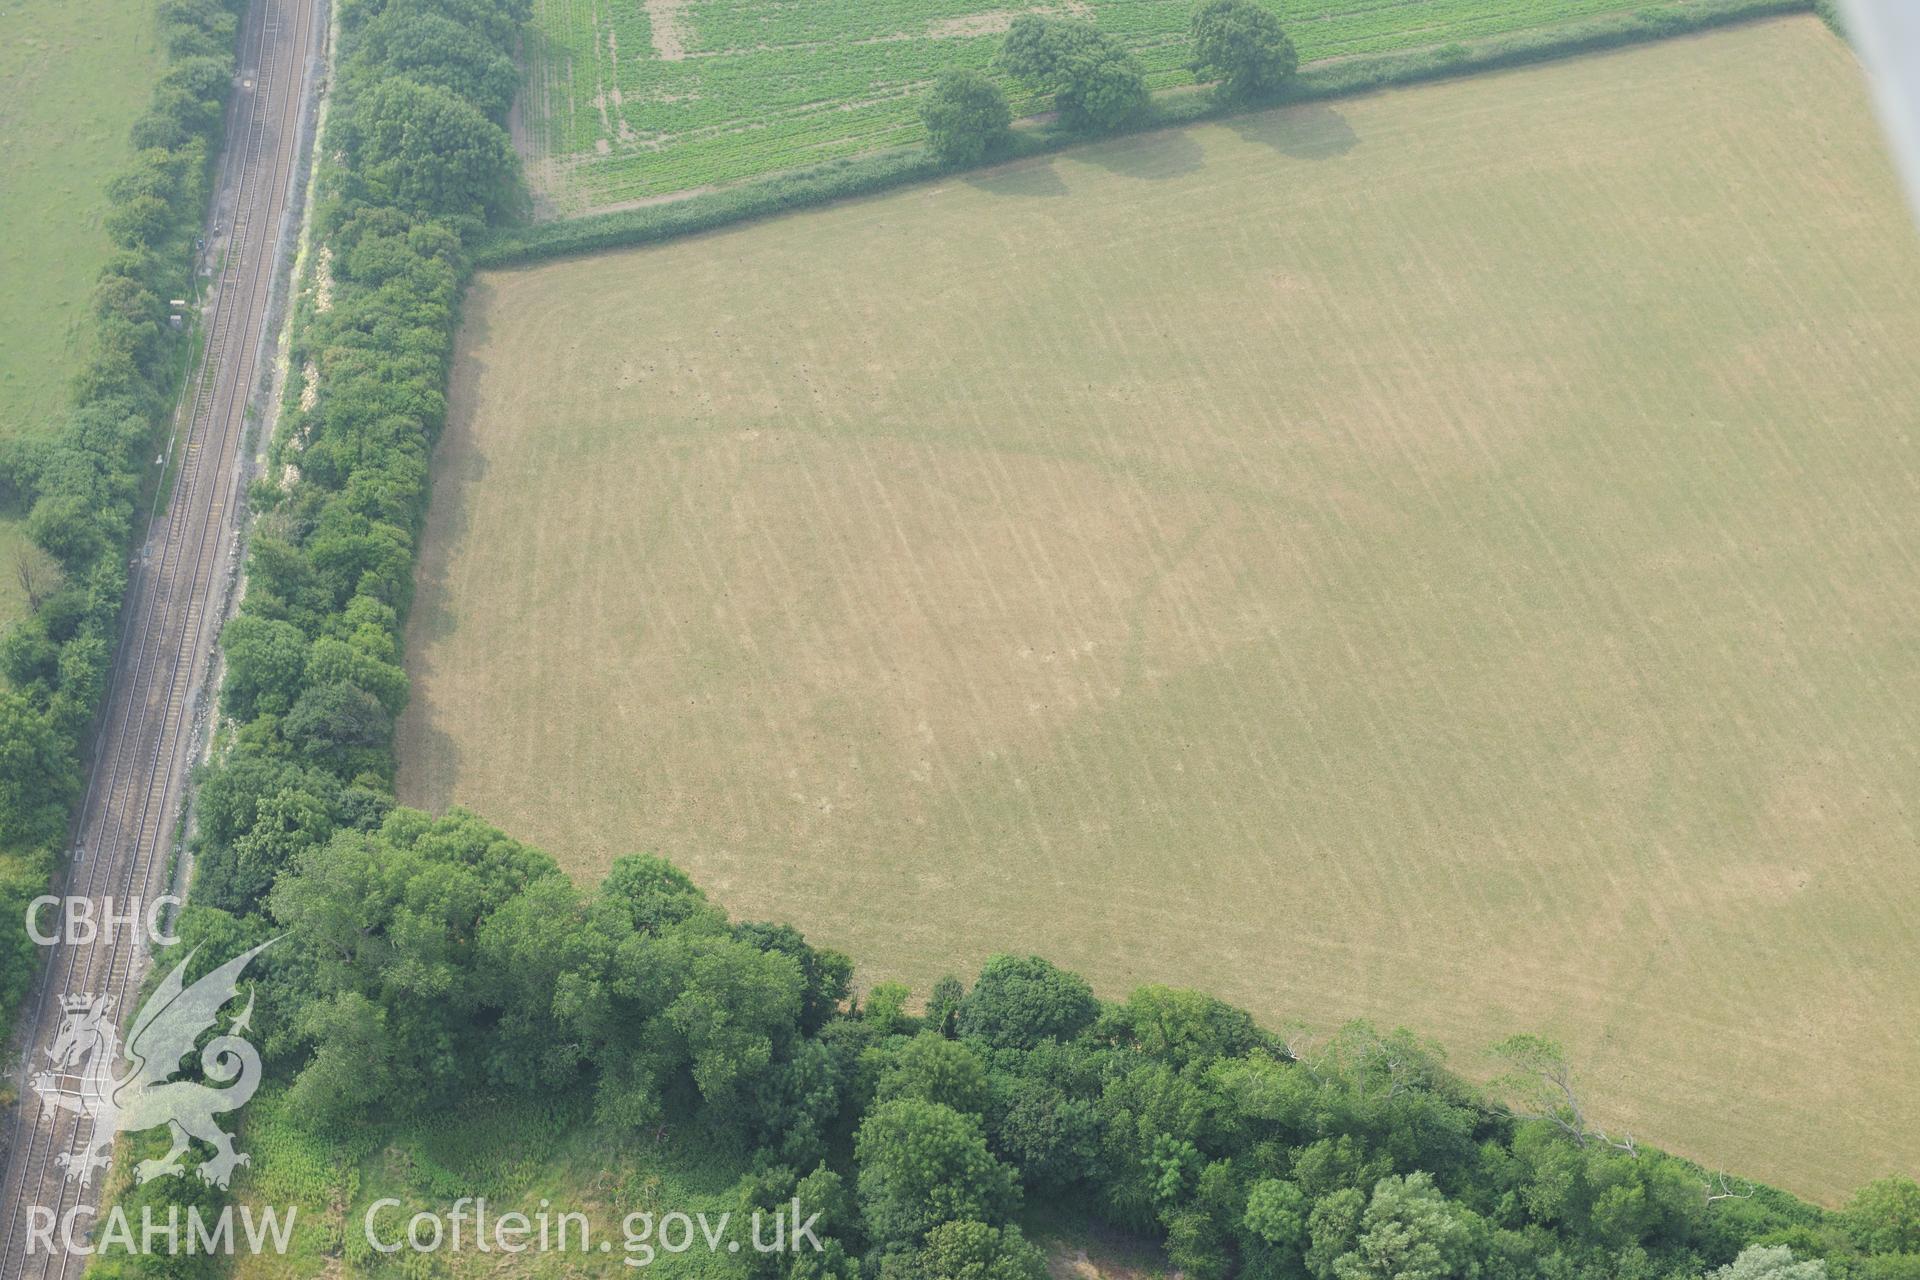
145	1095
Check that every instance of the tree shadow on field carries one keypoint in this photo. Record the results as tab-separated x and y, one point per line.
430	759
459	470
1155	157
429	756
459	475
431	617
1038	179
1311	131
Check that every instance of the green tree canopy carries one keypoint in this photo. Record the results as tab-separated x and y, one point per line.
827	974
1095	81
1762	1262
1240	44
737	1006
38	774
1411	1232
1182	1026
935	1069
921	1164
266	666
1022	1000
434	49
430	151
330	720
1884	1216
970	1250
1277	1213
966	115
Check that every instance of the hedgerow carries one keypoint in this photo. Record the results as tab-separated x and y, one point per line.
84	486
767	87
884	170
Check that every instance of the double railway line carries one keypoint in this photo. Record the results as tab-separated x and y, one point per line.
175	602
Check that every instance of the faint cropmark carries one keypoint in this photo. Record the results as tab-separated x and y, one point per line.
146	1096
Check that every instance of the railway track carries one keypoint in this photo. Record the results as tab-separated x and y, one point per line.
176	594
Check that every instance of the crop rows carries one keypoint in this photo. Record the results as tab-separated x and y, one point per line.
1442	556
754	87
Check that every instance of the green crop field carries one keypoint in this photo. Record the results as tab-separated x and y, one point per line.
73	75
1446	557
632	101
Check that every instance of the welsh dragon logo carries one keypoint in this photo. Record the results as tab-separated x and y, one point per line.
165	1031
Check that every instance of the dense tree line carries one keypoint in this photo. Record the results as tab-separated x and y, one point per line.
81	488
313	680
426	960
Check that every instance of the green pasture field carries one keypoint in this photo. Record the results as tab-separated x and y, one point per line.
73	76
632	101
1446	557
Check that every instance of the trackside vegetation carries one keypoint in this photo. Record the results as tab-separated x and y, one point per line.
428	962
82	487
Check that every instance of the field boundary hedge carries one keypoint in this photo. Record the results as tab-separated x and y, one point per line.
886	170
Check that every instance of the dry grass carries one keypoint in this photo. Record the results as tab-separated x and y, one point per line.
1448	559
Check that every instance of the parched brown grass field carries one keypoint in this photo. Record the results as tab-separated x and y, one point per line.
1450	557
